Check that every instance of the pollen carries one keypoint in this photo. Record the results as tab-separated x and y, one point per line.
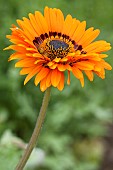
55	45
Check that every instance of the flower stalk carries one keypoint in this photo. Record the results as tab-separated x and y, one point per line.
36	132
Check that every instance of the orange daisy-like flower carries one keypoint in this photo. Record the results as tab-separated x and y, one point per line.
47	46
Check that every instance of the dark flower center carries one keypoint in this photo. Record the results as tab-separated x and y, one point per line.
57	48
55	45
58	44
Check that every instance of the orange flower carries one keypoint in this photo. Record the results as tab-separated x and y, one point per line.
47	46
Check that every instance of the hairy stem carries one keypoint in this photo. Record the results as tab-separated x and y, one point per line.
36	131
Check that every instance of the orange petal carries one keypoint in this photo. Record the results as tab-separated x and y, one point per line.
101	73
86	34
26	70
85	65
56	20
60	20
41	23
34	24
16	48
16	56
61	67
97	67
42	74
53	66
79	31
47	17
68	79
55	77
90	38
25	63
53	19
26	30
60	86
67	25
48	79
27	24
57	60
89	74
82	81
77	73
32	73
106	65
43	86
103	55
74	27
98	46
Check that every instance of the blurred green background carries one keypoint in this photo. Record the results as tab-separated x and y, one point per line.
77	118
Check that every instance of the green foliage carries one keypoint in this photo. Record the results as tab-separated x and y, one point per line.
76	117
9	153
8	157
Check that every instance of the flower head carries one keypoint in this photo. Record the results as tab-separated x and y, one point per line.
47	46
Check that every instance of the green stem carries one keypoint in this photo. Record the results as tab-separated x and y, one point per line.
36	132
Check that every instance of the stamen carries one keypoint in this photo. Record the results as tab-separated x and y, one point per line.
59	34
42	37
79	47
37	41
46	35
55	44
